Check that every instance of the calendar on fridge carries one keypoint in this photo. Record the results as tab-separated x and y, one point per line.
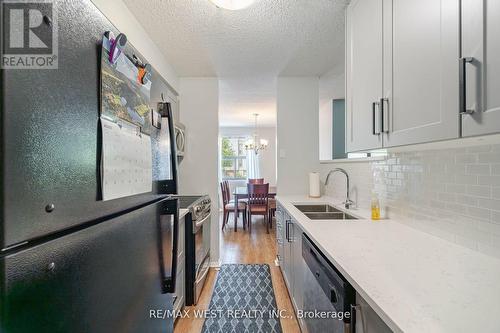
126	160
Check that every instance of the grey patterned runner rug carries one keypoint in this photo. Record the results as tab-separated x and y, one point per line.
243	301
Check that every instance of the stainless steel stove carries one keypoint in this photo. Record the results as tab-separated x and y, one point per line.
197	243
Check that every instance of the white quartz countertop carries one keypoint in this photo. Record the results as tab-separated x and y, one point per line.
415	282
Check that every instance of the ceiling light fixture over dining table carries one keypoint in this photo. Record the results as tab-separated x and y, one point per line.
256	143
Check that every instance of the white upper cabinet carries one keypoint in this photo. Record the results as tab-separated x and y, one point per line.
481	49
364	47
402	72
421	78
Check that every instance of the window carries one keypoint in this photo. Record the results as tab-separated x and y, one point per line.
233	158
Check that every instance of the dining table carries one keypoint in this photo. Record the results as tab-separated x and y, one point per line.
241	192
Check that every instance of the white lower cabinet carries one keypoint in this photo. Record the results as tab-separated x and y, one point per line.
279	233
367	321
292	264
297	269
286	266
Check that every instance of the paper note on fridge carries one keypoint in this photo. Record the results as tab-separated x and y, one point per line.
126	160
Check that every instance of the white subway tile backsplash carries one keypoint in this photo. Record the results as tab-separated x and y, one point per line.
480	213
489	180
492	204
466	200
478	149
447	197
479	190
495	193
466	179
450	193
478	169
455	188
490	157
466	158
490	228
495	217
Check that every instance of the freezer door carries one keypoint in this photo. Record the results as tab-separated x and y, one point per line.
51	143
168	232
105	278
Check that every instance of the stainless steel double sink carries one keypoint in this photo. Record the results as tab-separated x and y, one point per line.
323	212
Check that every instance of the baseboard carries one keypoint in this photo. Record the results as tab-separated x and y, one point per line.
216	264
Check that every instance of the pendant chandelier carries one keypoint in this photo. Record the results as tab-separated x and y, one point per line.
256	144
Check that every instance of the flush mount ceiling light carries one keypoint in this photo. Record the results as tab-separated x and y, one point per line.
233	4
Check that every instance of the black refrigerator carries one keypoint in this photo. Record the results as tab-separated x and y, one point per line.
69	261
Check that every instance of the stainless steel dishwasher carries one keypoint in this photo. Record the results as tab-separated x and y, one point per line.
328	296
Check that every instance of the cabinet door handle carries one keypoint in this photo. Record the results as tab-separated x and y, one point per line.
287	231
463	85
383	102
374	118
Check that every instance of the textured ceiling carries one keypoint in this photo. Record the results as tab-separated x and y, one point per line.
240	98
268	39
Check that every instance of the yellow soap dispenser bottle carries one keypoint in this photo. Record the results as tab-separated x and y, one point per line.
375	207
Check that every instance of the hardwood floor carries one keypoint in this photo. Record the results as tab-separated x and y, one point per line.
244	248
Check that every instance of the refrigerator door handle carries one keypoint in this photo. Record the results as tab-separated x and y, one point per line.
168	208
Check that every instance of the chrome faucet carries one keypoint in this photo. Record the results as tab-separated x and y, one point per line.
348	202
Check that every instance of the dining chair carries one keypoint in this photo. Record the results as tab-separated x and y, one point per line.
272	211
256	181
258	203
228	205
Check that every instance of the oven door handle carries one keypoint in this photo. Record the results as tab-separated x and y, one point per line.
200	223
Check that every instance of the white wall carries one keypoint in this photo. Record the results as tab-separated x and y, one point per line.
331	86
198	171
123	19
267	156
297	133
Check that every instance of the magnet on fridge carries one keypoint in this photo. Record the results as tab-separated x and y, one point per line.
117	46
145	74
